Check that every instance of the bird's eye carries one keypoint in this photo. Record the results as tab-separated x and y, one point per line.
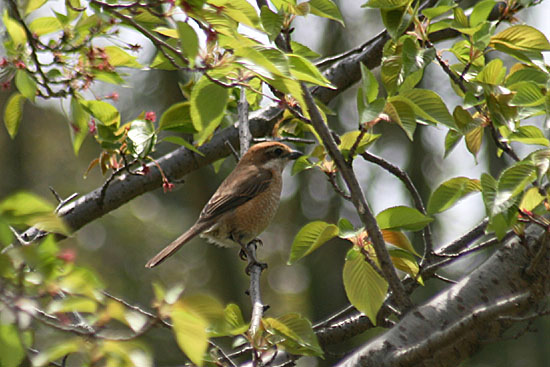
278	152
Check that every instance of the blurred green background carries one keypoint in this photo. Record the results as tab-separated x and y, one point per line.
119	244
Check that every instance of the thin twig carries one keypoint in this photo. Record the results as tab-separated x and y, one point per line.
417	199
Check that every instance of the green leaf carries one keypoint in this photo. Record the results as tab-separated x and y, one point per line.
189	42
529	135
474	138
25	84
272	22
369	84
297	333
451	191
531	199
32	5
13	113
386	4
395	21
403	115
45	25
514	179
493	73
178	118
346	230
405	262
527	94
429	106
72	304
365	288
103	111
78	125
400	240
168	32
208	103
402	217
326	9
303	51
348	140
15	30
234	320
481	12
59	350
12	352
119	57
434	12
302	69
522	38
527	74
181	141
141	138
451	141
311	237
239	10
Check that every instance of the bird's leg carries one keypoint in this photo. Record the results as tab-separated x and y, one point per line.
245	253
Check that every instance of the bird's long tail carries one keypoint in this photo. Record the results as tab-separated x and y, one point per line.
174	246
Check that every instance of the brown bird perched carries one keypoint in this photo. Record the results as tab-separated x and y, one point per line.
244	204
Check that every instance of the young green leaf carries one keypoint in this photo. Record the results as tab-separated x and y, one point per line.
296	332
451	191
15	30
386	4
141	138
178	118
311	237
402	114
189	42
400	240
529	135
58	351
14	113
348	140
365	288
12	352
72	304
78	125
103	111
208	102
234	320
531	199
25	84
326	9
493	73
302	69
402	217
190	331
522	38
45	25
481	11
119	57
272	22
405	262
429	106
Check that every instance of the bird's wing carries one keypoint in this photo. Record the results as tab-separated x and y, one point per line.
236	190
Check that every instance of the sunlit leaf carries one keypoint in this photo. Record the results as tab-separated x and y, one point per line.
119	57
365	288
402	217
103	111
451	191
429	106
45	25
297	333
208	103
73	304
326	9
12	352
402	114
141	138
189	41
531	199
400	240
25	84
311	237
302	69
521	37
78	125
272	22
13	113
15	30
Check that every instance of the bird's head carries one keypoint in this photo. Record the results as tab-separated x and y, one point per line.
270	155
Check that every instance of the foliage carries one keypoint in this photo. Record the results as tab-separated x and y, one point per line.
42	284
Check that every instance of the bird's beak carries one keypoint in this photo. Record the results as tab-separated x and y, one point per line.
295	155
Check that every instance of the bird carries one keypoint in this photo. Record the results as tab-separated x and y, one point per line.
243	205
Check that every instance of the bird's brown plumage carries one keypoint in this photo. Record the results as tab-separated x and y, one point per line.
245	202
